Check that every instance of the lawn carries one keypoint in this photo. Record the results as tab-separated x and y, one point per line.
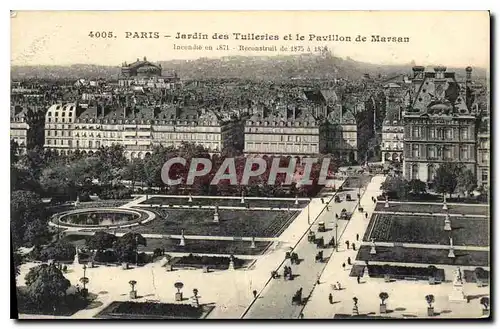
192	246
227	247
433	208
424	256
239	223
357	181
252	203
429	230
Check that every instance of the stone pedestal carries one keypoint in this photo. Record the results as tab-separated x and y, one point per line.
190	198
182	243
216	217
133	294
125	266
445	206
451	253
296	200
178	296
242	199
457	294
373	251
386	204
430	311
447	224
231	265
194	302
383	308
355	310
365	272
253	243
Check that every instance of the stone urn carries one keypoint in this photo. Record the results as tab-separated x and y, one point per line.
178	296
430	311
133	294
383	308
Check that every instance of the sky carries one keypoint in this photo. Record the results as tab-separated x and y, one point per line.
451	38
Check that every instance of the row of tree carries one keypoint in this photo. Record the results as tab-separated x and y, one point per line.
449	178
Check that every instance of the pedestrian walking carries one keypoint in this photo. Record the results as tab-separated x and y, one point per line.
353	246
366	215
330	298
338	285
78	288
347	244
343	266
255	294
358	279
349	260
357	237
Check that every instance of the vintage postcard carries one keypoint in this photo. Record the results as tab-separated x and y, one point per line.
250	165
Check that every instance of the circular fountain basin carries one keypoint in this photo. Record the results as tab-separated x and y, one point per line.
101	218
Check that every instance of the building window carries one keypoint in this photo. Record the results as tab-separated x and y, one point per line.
440	133
464	133
430	173
484	175
449	133
464	153
432	133
415	151
415	132
484	157
431	152
447	152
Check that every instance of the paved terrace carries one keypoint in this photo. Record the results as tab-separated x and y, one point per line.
230	290
274	300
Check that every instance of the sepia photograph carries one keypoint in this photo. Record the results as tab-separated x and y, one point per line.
292	165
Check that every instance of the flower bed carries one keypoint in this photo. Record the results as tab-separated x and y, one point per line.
214	262
402	272
148	310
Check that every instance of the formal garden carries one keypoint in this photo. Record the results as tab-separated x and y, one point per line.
465	231
399	272
194	202
424	256
238	223
437	208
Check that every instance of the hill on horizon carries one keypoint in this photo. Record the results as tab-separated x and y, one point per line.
272	68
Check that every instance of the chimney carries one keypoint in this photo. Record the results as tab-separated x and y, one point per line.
468	74
145	58
469	98
418	72
440	72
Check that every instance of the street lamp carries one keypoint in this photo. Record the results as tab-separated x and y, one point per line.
84	269
136	250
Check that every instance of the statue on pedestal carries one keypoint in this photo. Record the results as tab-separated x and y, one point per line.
451	253
216	214
447	223
373	251
457	294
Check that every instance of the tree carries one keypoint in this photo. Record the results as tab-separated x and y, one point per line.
466	182
429	299
46	285
28	218
84	280
395	187
126	246
446	178
383	297
14	151
59	251
101	240
485	301
132	284
179	285
416	186
17	260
